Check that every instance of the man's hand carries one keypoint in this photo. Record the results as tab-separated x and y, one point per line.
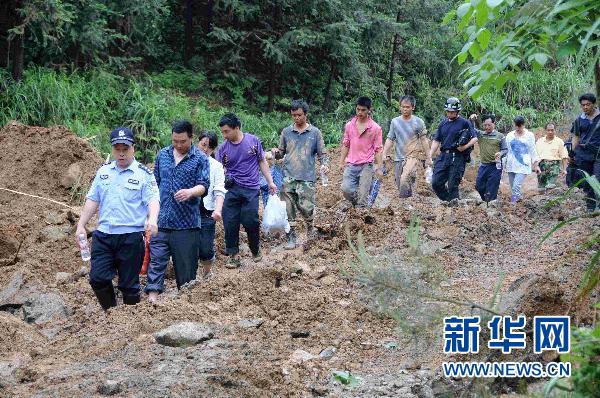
563	172
183	194
497	156
272	188
216	215
342	167
378	172
80	231
462	148
151	227
537	169
473	116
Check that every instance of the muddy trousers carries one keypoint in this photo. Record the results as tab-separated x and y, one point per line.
488	181
447	174
356	183
116	254
241	207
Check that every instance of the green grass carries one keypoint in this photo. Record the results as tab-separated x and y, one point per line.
91	103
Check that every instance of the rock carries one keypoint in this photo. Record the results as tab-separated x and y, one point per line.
54	233
344	303
55	218
63	277
319	391
328	280
320	272
72	177
184	334
301	268
9	294
109	387
43	307
299	334
327	353
300	356
250	323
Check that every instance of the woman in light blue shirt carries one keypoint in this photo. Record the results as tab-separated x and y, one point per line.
212	204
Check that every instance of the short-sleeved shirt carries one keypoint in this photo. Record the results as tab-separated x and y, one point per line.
588	131
551	150
489	144
241	160
521	152
402	131
217	184
123	196
301	149
191	171
363	145
449	131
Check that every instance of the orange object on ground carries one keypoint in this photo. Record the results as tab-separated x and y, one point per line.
146	253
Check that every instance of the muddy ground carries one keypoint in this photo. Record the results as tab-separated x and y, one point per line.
56	341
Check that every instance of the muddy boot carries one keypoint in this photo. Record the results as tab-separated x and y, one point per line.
291	243
106	296
131	300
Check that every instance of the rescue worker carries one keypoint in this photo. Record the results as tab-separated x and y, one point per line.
126	194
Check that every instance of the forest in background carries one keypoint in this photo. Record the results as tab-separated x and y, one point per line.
92	65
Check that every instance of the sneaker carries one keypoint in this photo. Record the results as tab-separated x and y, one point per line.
153	297
257	257
233	262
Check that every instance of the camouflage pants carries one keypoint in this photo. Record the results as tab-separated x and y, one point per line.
550	170
299	196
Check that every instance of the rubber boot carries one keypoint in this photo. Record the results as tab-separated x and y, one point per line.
291	243
106	296
131	300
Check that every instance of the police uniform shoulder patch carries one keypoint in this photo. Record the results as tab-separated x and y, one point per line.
146	169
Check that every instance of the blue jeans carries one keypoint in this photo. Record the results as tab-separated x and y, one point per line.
120	254
516	180
206	249
182	246
448	170
488	181
356	183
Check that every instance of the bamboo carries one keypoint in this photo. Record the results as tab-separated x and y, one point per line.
38	197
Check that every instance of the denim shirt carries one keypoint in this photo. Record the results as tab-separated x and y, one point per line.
192	170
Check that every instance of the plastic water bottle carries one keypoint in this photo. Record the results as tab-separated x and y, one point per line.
428	174
85	249
324	178
499	164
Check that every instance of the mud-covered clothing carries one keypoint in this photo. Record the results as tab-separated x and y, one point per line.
402	132
301	149
550	171
356	183
299	197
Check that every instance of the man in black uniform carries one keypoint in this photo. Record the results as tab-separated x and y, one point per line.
454	137
586	145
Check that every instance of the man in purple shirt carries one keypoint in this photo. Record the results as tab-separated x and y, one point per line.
242	156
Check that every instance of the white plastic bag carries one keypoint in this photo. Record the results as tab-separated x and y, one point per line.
428	174
275	216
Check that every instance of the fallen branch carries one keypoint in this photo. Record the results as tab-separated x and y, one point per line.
37	197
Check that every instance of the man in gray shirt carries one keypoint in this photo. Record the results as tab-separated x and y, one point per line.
300	143
409	136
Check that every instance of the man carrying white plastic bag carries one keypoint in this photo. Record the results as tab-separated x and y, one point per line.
275	216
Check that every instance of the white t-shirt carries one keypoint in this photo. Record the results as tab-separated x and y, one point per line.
217	183
521	152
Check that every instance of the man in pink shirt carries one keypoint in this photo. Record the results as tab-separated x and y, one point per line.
362	143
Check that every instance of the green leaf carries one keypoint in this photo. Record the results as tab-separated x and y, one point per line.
474	50
462	10
494	3
462	57
482	15
474	91
449	17
513	61
539	58
483	37
346	378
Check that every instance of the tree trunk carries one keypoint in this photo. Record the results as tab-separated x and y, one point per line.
332	73
597	78
189	32
18	52
395	44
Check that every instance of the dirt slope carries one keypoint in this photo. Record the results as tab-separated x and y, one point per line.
299	291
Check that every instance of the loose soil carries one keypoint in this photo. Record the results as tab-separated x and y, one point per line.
302	291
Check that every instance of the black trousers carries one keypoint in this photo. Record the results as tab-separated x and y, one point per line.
241	208
447	174
117	254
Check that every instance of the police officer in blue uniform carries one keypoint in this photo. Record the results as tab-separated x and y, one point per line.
450	165
126	194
